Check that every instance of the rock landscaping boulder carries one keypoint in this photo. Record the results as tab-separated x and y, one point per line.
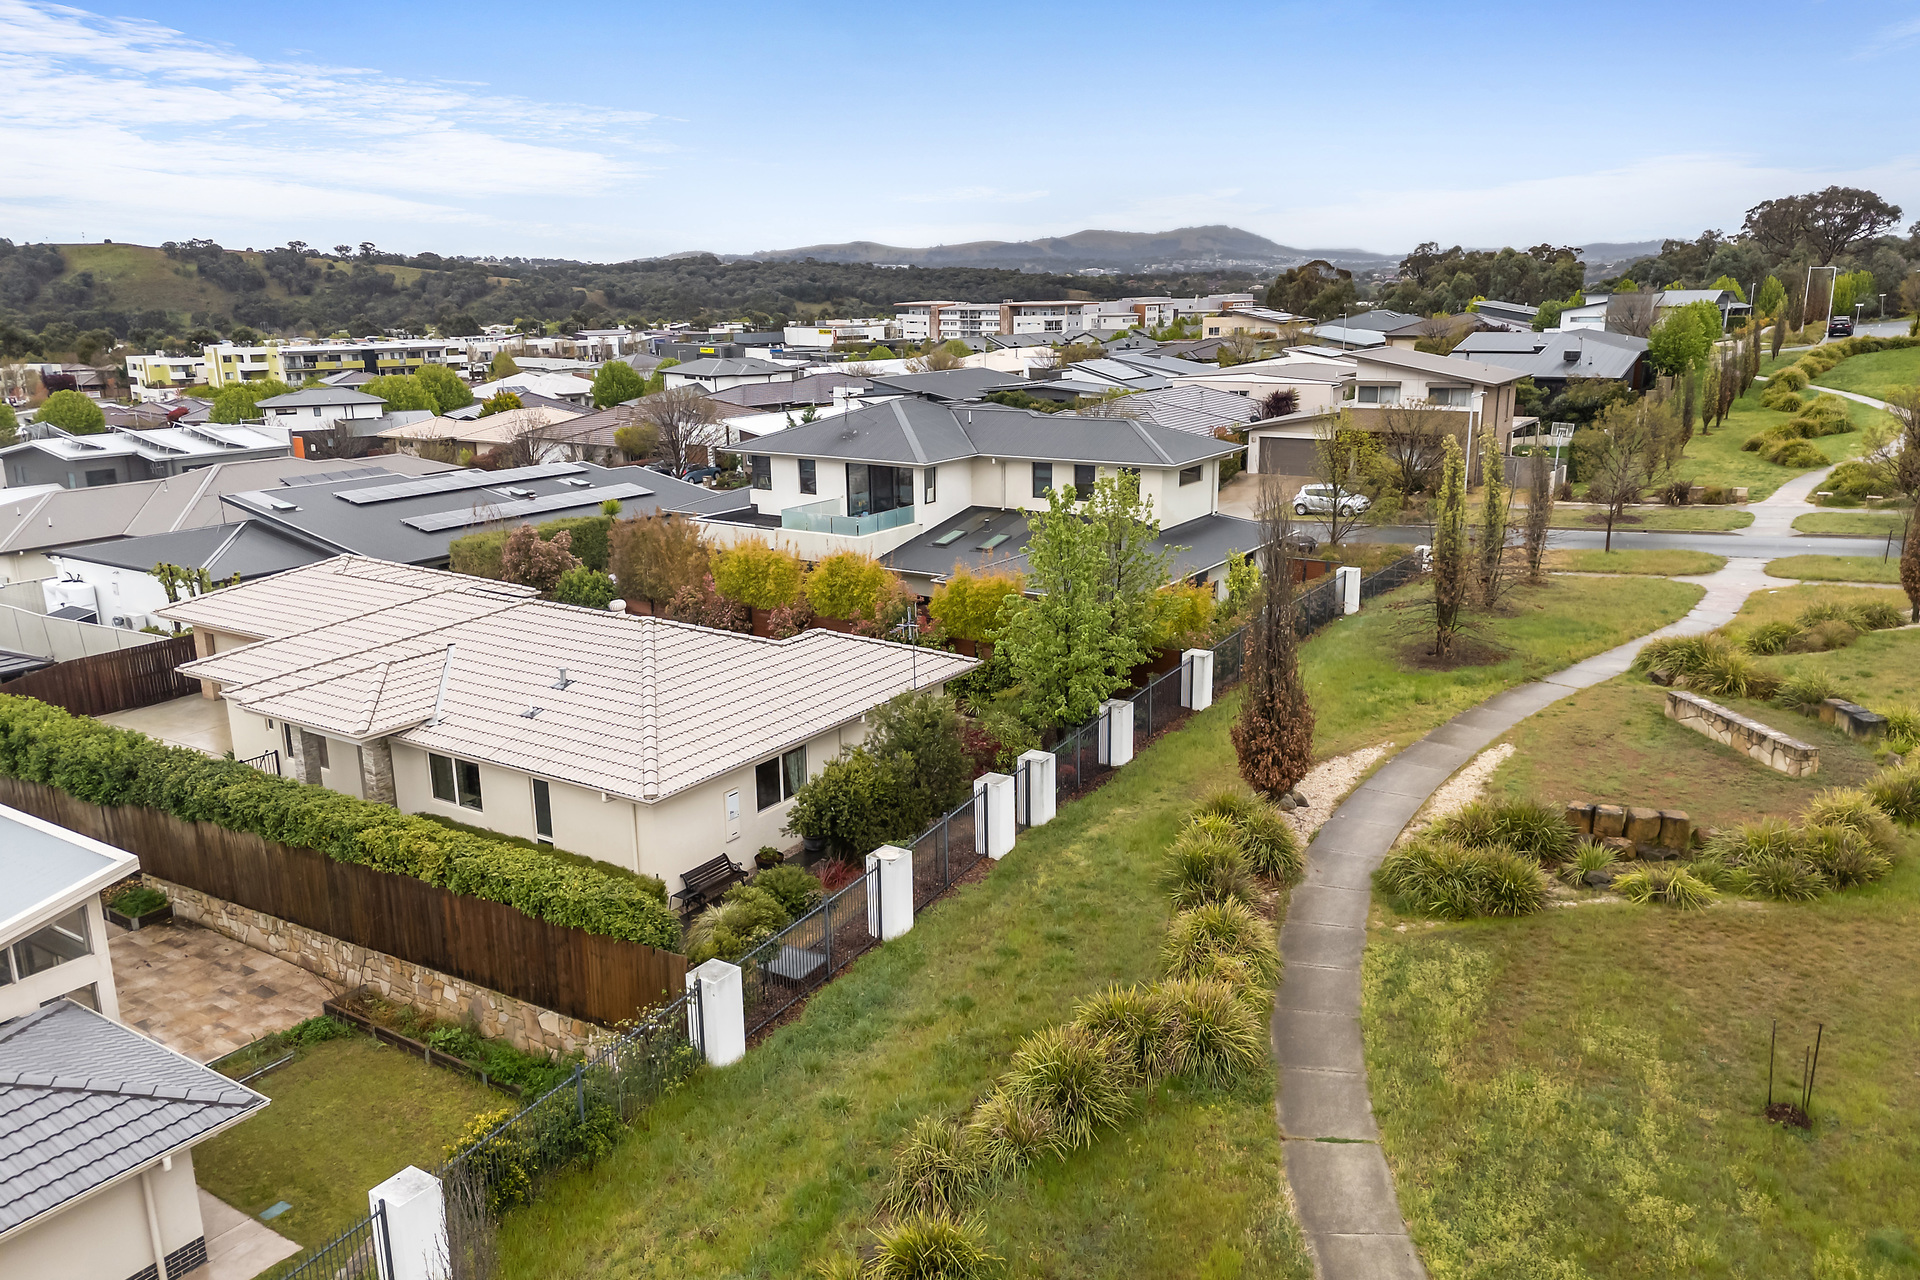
1609	820
1643	826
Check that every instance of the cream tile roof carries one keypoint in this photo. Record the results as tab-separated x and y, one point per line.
650	706
327	593
496	428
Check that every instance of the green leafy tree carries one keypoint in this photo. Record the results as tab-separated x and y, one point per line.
850	804
583	585
1450	571
915	737
448	389
10	424
1773	296
241	401
1729	283
72	411
616	383
402	392
637	440
503	366
1682	341
499	402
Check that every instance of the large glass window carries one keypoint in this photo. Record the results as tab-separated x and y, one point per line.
1042	478
762	471
777	779
872	488
809	476
455	781
542	811
56	943
1083	475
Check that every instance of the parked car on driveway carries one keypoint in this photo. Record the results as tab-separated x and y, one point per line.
1318	500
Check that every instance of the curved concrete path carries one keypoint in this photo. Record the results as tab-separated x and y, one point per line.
1342	1187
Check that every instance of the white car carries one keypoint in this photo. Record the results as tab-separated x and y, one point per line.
1318	500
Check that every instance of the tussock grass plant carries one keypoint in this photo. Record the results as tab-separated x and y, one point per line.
1732	674
1823	611
1198	936
1213	1034
1879	615
936	1169
927	1246
1135	1020
1673	886
1784	879
1444	878
1853	808
1897	793
1714	873
1588	856
1824	637
1805	692
1843	855
1084	1081
1271	848
1903	725
1206	863
1682	656
1010	1133
1769	638
1530	827
1753	842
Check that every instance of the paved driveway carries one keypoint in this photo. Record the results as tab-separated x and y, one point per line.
203	994
197	722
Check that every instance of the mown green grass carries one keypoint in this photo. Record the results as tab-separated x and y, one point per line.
1836	568
1664	562
1876	374
1366	688
1854	524
1718	459
1785	604
1716	519
346	1115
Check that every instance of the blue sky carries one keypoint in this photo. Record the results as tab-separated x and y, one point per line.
610	132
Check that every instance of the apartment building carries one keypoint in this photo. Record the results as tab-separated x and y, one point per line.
1066	317
228	363
156	376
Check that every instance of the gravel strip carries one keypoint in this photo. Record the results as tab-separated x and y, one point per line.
1327	785
1462	789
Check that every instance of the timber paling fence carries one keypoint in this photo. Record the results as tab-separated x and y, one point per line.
103	683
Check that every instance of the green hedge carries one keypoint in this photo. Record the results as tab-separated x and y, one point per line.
479	553
107	766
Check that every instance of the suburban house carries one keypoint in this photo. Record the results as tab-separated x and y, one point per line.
53	933
567	388
536	424
1362	328
1594	312
96	1157
642	741
1260	321
119	455
1316	383
1201	410
1552	359
36	524
320	407
717	374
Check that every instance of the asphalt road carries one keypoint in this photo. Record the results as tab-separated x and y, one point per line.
1720	544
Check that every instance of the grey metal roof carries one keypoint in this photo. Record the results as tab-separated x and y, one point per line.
941	384
1544	355
319	396
84	1101
1199	544
1439	366
815	388
1379	321
1195	409
719	367
250	548
918	432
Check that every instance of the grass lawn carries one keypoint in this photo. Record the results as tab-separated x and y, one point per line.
1876	374
1718	459
1362	694
1836	568
1674	519
346	1115
1856	524
1369	557
1664	562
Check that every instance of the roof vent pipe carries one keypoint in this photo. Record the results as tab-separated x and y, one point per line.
562	682
440	698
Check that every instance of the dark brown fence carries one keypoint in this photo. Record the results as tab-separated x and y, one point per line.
117	681
581	974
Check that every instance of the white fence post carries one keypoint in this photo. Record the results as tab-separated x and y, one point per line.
993	815
717	1012
1349	579
416	1226
1196	679
1116	732
1425	553
1036	788
889	892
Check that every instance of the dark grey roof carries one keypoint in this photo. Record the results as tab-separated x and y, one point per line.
815	388
918	432
319	516
250	548
1380	321
319	396
1200	544
84	1101
1544	355
1188	408
941	384
717	367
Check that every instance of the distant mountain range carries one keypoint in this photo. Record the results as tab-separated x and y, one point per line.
1183	249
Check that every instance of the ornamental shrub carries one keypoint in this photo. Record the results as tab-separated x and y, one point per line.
760	576
928	1247
1206	863
1791	378
795	888
745	917
1897	793
1675	886
589	588
107	766
935	1169
1526	826
1082	1080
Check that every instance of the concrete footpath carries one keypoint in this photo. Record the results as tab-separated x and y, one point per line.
1342	1187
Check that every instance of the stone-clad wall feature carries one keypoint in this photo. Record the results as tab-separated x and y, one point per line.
523	1025
1769	746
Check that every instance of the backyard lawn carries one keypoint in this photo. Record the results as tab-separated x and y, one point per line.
1836	568
1854	524
1664	562
1578	1093
347	1115
768	1166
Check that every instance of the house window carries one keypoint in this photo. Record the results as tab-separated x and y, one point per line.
1386	393
542	811
1083	477
455	781
777	779
872	489
1042	478
97	478
928	487
56	943
286	740
1451	397
762	471
1190	475
809	476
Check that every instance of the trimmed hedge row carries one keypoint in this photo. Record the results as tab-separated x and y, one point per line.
103	765
478	554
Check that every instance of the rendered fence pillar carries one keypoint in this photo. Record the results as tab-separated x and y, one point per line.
1116	732
1036	788
1196	679
889	892
1425	553
717	1012
1347	580
416	1212
993	815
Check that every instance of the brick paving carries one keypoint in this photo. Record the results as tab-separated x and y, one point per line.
204	994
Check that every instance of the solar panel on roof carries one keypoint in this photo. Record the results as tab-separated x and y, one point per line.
440	521
454	481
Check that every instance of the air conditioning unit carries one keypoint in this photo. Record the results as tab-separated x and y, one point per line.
123	622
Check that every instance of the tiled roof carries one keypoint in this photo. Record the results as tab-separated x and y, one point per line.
650	707
84	1100
326	593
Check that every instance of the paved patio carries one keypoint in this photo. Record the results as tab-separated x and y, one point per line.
238	1248
197	722
202	993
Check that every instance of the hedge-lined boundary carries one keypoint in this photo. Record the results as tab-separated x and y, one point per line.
106	766
478	554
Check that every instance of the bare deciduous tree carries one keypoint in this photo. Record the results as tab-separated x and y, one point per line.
1619	458
1631	314
1539	513
1490	578
1412	441
1340	454
685	422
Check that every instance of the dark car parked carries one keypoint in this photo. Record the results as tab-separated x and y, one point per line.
1840	327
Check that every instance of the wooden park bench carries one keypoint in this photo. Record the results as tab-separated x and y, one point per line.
708	881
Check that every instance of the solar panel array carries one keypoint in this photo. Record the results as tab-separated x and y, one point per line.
454	481
487	513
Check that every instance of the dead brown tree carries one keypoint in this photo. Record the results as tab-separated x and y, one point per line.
1273	738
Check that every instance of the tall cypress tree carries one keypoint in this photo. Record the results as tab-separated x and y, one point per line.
1273	738
1493	520
1450	572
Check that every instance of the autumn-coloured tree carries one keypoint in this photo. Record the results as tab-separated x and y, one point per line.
655	557
1273	737
533	561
